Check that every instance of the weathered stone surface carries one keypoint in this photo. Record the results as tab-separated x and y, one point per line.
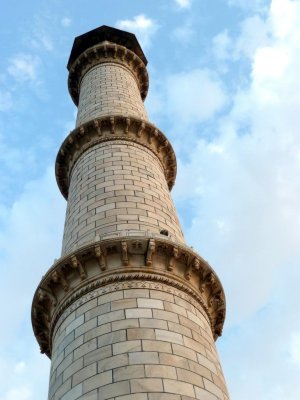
129	312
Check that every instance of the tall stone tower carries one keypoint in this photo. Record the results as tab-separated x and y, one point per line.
129	311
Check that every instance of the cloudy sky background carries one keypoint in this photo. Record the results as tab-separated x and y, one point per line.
225	89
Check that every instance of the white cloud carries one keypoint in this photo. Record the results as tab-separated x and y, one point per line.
255	33
24	67
29	383
284	17
270	63
30	236
66	22
295	348
40	37
142	26
221	45
183	3
22	393
184	33
194	96
19	367
242	189
34	224
255	172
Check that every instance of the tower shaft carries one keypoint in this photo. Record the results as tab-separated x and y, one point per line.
129	311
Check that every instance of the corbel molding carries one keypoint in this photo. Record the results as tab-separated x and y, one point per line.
60	287
107	52
109	128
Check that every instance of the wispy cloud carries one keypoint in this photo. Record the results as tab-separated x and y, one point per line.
6	101
184	33
24	67
143	27
20	367
66	22
184	3
222	44
22	393
41	35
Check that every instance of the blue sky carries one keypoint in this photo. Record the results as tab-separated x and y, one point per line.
225	89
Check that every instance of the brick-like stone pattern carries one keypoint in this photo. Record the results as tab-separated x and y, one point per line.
118	187
135	344
109	89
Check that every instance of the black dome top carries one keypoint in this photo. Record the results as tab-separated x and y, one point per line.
98	35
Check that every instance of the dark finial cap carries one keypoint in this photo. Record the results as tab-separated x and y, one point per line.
98	35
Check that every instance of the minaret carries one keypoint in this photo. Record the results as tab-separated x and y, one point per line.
129	311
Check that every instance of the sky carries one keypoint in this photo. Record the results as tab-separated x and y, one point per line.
225	89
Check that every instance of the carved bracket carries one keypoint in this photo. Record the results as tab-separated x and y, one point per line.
125	252
77	265
150	251
100	257
174	257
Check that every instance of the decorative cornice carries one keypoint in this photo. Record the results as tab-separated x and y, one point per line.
113	128
107	52
94	266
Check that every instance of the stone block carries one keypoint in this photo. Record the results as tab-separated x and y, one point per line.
123	304
98	331
160	371
184	351
189	377
125	323
111	316
128	372
168	336
138	313
202	394
133	396
114	390
156	345
112	337
75	324
202	360
146	385
140	333
164	396
72	369
86	327
179	387
173	360
84	374
153	323
146	357
119	360
150	303
127	347
165	315
97	381
85	348
97	355
211	387
184	331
